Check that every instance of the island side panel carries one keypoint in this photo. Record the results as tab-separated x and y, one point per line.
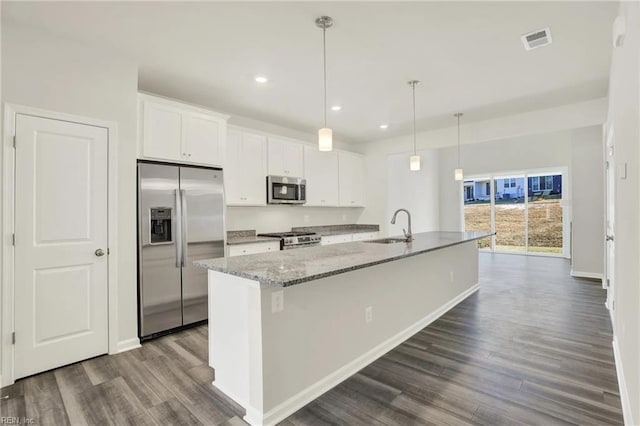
235	338
321	337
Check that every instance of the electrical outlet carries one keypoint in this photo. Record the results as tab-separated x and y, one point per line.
451	276
277	301
368	314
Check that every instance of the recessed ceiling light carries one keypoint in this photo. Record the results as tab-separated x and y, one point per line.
261	79
336	108
384	126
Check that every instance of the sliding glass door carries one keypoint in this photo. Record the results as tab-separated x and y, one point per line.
477	208
524	209
545	224
510	213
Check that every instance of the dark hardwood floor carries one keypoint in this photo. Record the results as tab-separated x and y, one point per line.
533	346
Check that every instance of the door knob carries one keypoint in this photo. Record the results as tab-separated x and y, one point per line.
609	237
99	252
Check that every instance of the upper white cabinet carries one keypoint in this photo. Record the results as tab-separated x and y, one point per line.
351	178
246	168
285	158
181	133
321	172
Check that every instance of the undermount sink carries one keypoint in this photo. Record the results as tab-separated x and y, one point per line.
388	241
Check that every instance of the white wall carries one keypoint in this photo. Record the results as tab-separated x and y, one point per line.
43	71
283	218
416	191
624	110
587	205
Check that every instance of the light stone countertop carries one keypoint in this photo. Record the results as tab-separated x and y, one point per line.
289	267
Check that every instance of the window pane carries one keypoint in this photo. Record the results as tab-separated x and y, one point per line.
545	216
510	215
477	209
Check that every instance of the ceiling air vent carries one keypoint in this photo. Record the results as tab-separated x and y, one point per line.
536	39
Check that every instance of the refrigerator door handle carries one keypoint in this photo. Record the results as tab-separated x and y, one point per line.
183	239
179	231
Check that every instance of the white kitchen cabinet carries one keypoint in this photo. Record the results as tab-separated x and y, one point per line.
365	236
253	248
181	133
351	179
246	169
285	158
347	238
336	239
321	172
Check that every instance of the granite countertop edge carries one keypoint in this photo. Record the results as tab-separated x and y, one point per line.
265	282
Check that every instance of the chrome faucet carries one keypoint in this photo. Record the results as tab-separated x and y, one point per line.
407	235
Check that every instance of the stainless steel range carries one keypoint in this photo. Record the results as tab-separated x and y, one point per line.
289	240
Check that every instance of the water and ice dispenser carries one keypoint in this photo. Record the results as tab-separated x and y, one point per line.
160	225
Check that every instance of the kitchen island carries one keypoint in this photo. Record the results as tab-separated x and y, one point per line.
286	327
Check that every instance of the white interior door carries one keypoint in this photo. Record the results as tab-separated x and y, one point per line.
610	181
61	243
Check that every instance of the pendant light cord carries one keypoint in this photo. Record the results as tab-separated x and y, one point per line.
458	115
413	85
324	57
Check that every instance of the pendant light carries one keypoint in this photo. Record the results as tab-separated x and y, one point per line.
414	160
325	135
458	174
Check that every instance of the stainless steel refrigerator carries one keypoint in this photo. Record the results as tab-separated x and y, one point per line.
180	219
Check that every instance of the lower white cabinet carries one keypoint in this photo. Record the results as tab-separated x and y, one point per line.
253	248
347	238
364	236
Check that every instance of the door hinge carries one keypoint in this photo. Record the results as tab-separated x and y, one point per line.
14	141
13	239
108	251
608	282
13	338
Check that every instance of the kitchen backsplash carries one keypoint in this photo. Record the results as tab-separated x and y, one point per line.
283	218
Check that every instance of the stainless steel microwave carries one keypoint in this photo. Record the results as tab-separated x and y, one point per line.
286	190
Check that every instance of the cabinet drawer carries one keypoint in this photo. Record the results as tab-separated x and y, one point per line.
336	239
254	248
364	236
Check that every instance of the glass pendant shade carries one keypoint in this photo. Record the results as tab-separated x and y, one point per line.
458	174
414	163
325	139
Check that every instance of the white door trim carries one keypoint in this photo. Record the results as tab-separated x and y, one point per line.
8	187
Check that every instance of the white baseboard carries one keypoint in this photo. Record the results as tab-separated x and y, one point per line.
299	400
127	345
582	274
624	394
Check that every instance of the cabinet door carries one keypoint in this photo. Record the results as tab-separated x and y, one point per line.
253	167
162	131
294	159
233	177
336	239
285	158
254	248
351	178
203	136
321	172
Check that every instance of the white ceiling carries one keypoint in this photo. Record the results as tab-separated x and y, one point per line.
468	56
